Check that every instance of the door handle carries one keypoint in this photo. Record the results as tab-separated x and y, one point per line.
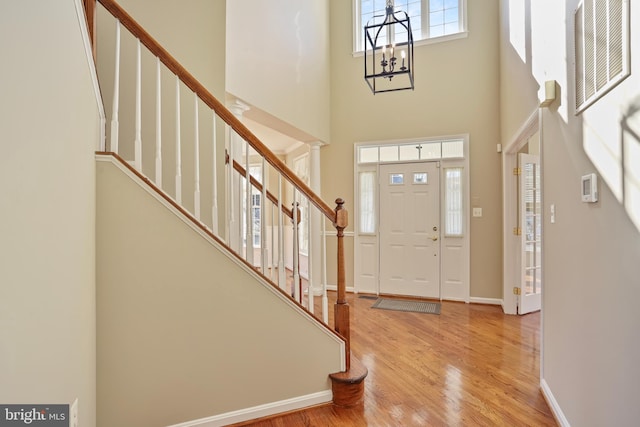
434	238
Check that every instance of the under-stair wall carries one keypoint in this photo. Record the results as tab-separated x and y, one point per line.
50	120
185	330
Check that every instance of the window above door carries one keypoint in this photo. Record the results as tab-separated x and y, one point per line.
419	150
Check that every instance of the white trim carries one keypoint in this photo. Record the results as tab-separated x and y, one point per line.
311	319
511	262
553	404
489	301
528	128
86	41
260	410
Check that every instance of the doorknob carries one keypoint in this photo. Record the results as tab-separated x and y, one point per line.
434	238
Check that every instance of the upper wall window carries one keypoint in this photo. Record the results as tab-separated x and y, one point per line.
430	19
601	48
421	150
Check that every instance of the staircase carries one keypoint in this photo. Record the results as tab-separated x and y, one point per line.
254	219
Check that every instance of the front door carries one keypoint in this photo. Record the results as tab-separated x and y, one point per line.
531	236
410	229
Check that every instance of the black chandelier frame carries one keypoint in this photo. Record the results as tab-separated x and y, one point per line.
387	68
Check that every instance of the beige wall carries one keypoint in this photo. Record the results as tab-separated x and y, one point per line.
590	272
278	61
183	332
49	129
457	92
195	36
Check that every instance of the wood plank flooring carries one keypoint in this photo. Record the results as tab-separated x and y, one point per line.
469	366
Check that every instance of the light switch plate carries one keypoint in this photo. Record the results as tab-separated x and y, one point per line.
477	212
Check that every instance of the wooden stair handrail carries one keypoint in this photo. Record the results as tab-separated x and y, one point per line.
192	83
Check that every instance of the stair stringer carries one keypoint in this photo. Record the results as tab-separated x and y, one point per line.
187	328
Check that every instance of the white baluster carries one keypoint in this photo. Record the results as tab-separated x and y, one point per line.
273	243
178	148
309	263
158	125
263	216
325	299
196	193
296	251
231	177
214	208
282	278
137	155
116	94
248	208
241	201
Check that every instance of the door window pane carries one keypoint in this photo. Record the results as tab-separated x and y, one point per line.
430	151
454	214
389	153
367	202
409	152
396	179
368	155
452	149
420	178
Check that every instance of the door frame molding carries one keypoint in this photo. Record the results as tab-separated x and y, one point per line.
510	243
444	163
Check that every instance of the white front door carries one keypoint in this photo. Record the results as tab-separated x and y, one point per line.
410	229
530	209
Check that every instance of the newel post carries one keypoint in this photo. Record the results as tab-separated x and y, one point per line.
342	307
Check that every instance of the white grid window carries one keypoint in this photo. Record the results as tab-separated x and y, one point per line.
601	48
429	18
426	150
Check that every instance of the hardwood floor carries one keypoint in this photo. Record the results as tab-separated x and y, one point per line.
469	366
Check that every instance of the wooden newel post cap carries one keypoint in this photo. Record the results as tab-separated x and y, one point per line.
342	216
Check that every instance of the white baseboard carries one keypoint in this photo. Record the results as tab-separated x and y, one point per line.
490	301
553	404
260	411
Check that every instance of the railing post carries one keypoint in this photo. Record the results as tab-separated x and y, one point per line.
341	312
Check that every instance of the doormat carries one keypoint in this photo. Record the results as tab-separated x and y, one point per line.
405	305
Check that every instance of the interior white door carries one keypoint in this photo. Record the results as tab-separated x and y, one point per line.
410	229
531	225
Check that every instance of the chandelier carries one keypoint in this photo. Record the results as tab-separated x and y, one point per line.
388	51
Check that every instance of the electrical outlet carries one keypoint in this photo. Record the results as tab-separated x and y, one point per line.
477	212
73	414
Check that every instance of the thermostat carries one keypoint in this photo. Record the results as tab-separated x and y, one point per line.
590	188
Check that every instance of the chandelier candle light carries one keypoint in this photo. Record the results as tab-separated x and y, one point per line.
390	34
